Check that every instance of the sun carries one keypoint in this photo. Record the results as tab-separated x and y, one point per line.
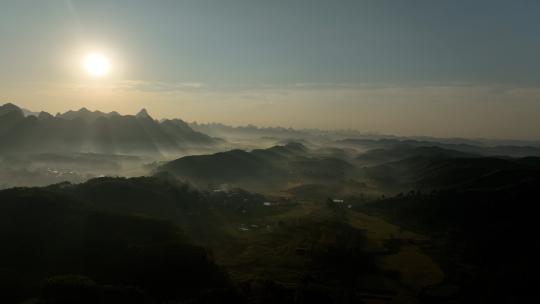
96	64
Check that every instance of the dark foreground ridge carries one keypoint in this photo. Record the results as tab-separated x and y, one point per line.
158	240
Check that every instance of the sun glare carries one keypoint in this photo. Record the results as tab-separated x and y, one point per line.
96	64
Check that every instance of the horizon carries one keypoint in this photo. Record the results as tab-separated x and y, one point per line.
459	69
273	151
360	132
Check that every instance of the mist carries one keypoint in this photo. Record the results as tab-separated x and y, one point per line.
257	152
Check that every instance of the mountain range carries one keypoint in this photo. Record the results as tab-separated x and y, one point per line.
318	229
95	132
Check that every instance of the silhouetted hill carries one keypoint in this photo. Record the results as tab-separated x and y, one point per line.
132	236
260	169
8	108
399	152
86	131
85	115
485	238
49	233
106	241
421	172
491	148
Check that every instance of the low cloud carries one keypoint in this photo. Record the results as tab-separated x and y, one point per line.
153	86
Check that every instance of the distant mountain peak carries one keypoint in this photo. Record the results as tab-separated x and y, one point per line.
143	114
89	131
9	107
83	113
9	104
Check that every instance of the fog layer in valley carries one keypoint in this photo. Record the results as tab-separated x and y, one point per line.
130	208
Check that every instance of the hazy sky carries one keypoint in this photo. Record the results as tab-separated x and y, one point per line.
444	68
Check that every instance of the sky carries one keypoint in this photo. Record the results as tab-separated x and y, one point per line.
436	68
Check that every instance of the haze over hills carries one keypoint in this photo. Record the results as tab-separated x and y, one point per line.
263	152
296	169
356	137
276	168
283	215
260	214
40	149
266	246
469	146
84	131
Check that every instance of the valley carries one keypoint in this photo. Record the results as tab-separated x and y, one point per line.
316	219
